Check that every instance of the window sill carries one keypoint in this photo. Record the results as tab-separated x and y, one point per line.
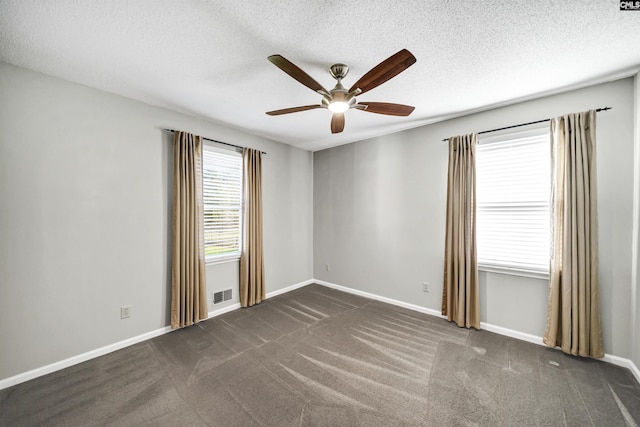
514	271
222	260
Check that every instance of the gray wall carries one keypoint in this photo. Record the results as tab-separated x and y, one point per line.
379	214
85	217
635	337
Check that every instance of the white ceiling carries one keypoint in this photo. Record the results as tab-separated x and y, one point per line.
209	58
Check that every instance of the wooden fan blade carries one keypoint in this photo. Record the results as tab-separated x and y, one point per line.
337	122
384	71
294	71
386	108
293	109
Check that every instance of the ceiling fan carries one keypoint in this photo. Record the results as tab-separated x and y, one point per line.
338	100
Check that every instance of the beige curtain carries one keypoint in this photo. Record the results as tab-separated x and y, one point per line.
460	301
252	285
573	310
188	286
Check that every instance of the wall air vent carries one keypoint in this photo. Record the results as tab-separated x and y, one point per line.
222	296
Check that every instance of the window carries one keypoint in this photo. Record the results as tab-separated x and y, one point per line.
513	187
222	196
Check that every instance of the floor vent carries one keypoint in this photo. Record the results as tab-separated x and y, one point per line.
222	296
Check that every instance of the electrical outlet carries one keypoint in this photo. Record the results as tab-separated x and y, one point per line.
425	286
125	312
327	267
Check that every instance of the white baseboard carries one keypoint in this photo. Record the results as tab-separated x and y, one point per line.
413	307
614	360
74	360
609	358
289	288
223	310
625	363
523	336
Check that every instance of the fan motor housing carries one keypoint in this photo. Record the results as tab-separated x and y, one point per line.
338	71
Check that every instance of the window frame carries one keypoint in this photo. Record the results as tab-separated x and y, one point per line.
536	131
231	152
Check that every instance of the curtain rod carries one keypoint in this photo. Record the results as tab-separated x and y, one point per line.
525	124
213	140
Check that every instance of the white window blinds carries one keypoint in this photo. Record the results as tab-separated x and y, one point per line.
512	192
222	196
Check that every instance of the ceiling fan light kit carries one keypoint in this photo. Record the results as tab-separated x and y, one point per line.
338	100
338	107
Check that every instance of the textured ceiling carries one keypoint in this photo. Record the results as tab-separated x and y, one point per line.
209	58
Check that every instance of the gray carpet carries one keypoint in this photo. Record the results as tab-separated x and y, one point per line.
320	357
